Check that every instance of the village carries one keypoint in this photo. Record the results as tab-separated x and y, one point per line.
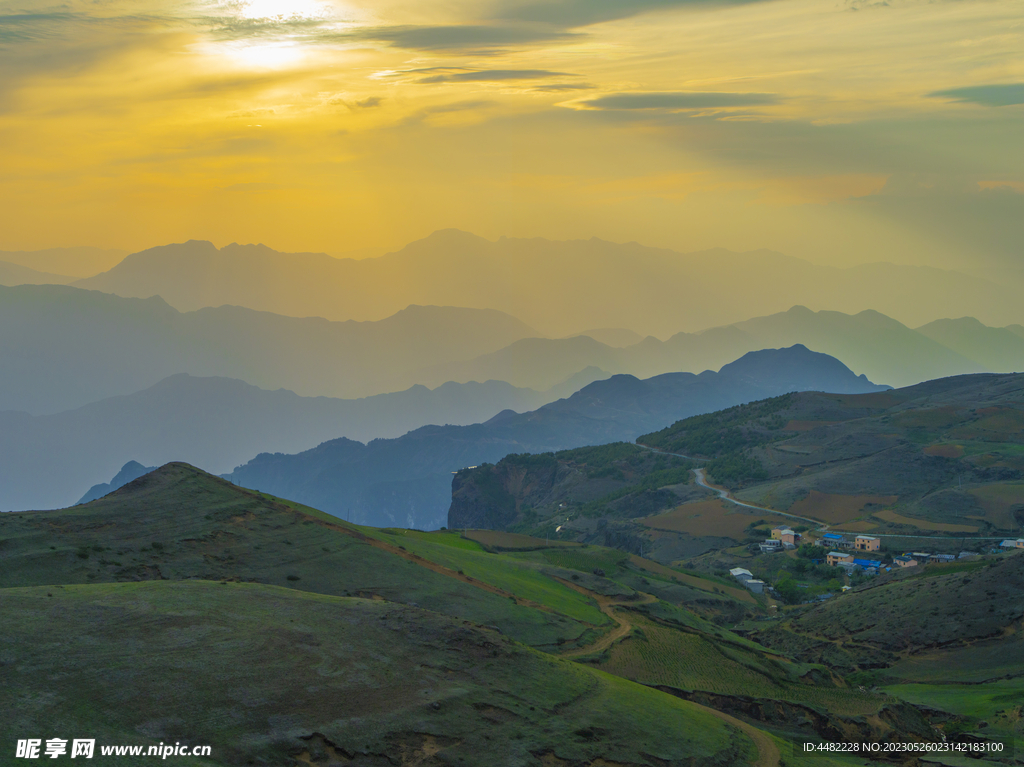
854	556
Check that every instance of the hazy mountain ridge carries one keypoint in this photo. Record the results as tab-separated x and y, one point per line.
872	344
406	481
49	461
16	274
556	286
76	263
118	346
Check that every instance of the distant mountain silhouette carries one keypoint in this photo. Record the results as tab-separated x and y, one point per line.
47	461
16	274
406	481
64	347
129	473
557	287
117	346
870	343
76	263
998	349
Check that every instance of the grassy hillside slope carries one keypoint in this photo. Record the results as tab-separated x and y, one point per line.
274	676
193	609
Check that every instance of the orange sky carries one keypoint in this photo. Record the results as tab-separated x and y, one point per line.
840	131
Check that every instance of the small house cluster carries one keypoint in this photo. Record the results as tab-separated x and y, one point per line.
860	543
1012	544
851	563
782	538
748	580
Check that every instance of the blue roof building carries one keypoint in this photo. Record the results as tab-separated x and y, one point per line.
866	563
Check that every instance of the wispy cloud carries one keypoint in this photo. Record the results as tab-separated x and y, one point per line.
492	75
677	100
563	87
460	37
985	95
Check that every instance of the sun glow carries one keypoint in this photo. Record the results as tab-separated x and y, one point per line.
268	55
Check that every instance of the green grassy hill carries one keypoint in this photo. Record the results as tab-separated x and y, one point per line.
181	607
192	609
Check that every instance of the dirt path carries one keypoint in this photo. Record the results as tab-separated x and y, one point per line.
607	605
768	753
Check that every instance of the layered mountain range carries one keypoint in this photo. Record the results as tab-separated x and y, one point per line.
118	346
557	287
406	481
49	460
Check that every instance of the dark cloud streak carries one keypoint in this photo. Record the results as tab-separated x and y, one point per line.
1006	95
570	14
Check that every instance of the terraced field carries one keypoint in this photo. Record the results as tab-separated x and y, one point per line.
710	518
888	515
838	509
1000	502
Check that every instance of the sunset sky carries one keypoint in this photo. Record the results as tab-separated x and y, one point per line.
841	131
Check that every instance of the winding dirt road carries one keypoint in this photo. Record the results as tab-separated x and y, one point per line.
606	605
767	751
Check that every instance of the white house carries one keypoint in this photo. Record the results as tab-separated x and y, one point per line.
740	574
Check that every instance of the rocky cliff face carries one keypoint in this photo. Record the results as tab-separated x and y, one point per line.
497	497
551	488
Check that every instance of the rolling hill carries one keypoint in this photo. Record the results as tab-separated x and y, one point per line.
558	287
406	481
387	646
340	662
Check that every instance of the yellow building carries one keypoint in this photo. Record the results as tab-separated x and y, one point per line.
784	534
838	557
867	543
